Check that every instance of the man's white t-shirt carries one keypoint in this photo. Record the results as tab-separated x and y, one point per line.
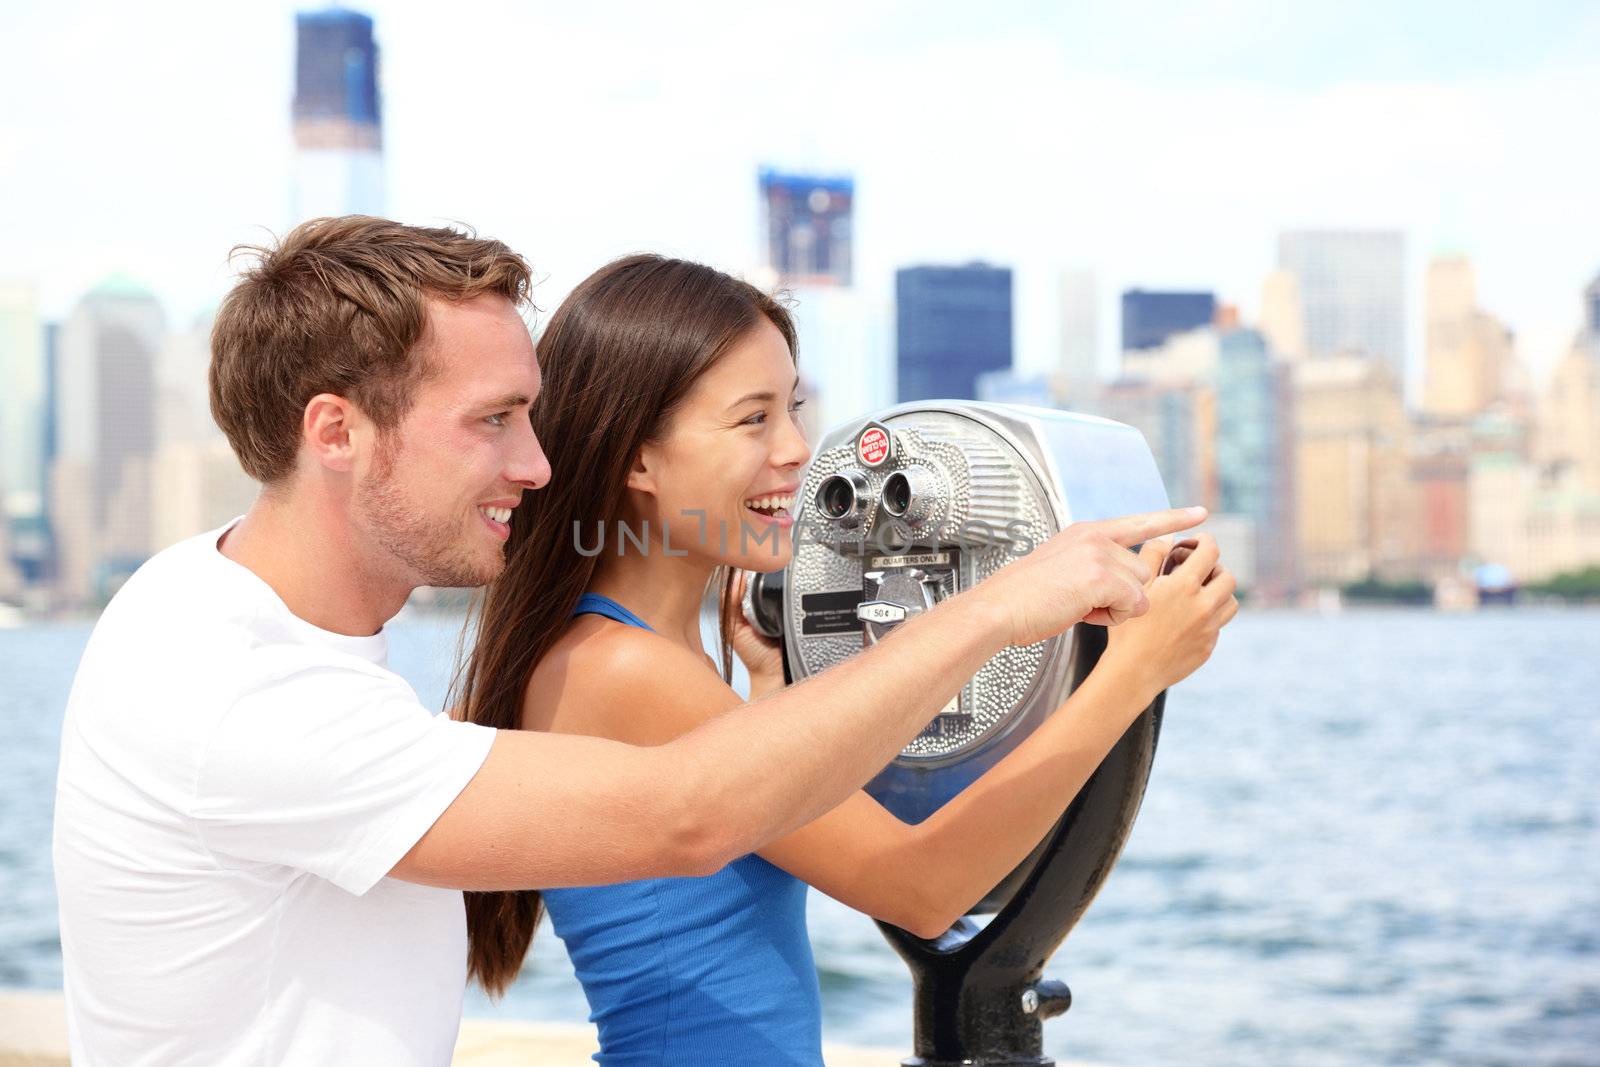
235	785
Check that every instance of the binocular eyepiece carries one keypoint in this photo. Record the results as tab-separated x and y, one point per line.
911	495
842	497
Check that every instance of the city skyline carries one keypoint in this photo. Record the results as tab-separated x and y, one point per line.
1245	126
1253	408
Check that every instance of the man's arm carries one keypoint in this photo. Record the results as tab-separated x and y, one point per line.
548	810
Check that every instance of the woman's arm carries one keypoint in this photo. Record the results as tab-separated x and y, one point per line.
924	877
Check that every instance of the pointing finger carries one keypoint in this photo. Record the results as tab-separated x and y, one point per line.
1130	530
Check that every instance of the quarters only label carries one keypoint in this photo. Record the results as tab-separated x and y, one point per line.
830	613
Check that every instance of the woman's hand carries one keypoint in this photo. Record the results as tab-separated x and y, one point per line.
760	654
1188	608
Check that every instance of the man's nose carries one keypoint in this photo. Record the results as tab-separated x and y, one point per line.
530	467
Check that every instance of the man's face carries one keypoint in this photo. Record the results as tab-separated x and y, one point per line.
438	495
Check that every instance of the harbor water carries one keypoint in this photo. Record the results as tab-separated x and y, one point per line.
1370	838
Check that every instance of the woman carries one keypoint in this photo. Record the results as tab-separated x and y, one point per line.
671	389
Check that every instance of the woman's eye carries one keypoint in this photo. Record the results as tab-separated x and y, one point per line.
797	405
755	420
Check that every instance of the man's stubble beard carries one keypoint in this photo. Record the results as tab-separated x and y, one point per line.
438	554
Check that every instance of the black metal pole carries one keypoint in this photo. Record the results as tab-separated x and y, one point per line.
980	996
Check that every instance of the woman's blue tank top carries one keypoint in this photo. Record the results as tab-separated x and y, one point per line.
704	971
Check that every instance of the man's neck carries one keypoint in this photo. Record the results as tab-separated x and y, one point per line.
665	591
313	560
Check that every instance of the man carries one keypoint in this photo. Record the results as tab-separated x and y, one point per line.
261	835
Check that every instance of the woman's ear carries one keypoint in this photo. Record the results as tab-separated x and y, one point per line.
641	474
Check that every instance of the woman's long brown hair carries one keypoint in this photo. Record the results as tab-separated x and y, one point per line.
618	357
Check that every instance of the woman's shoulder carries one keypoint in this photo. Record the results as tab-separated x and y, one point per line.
607	679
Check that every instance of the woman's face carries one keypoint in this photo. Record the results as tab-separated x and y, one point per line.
725	473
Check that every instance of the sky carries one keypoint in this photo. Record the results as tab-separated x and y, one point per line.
1160	144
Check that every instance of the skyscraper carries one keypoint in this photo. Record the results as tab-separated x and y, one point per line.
1352	292
338	132
1255	452
951	325
22	397
1353	515
808	227
1468	351
1174	419
1078	374
1570	422
197	483
1283	321
105	410
1149	318
846	352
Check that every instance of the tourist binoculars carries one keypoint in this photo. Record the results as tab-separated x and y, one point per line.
898	511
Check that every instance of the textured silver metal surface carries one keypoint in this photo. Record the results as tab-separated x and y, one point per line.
995	505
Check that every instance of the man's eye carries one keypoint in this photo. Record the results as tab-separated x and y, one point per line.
497	420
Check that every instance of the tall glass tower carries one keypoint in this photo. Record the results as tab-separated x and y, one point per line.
952	324
1149	318
1352	292
807	227
338	132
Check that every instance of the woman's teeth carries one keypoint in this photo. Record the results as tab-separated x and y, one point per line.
770	503
497	514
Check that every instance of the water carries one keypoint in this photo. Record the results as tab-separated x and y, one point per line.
1369	839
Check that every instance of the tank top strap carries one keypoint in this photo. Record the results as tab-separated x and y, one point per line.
596	604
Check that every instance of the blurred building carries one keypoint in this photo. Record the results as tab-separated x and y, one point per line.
22	422
10	576
1180	359
1570	414
1177	421
197	483
1078	372
1283	321
951	325
1500	489
1255	456
1009	387
105	416
338	130
1149	318
1351	287
1353	513
846	353
1469	357
808	227
1441	454
1541	517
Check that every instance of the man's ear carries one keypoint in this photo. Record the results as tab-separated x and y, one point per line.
328	429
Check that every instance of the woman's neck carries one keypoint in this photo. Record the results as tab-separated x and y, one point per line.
665	591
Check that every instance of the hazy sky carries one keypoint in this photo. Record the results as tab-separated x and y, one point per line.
1158	143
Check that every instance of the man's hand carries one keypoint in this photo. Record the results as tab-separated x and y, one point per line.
1086	573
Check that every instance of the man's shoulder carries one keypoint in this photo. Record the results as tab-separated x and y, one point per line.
190	570
191	612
